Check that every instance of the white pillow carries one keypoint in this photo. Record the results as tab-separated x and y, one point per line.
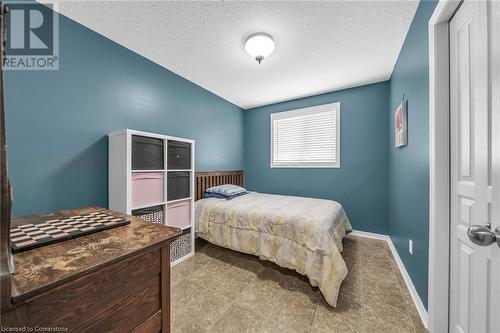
226	189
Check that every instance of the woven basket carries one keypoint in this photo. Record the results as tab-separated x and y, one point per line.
181	246
153	214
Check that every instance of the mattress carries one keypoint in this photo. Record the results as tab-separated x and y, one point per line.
303	234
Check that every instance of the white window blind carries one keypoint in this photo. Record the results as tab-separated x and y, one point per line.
308	138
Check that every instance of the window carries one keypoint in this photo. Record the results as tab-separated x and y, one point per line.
306	138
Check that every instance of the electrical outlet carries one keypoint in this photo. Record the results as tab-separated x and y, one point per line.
410	246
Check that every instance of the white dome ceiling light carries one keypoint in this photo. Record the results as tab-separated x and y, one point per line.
259	45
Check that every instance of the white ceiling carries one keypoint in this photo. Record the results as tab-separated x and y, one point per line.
321	46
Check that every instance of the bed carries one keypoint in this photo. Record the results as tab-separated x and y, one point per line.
303	234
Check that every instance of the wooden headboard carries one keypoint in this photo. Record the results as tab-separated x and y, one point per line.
208	179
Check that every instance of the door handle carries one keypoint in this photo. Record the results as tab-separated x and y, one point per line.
483	236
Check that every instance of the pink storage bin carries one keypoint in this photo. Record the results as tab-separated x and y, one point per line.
147	188
179	214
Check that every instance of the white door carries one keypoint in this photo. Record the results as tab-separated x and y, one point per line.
475	168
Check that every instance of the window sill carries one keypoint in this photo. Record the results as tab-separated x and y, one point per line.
336	166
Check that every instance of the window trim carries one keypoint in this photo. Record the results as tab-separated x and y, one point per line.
312	109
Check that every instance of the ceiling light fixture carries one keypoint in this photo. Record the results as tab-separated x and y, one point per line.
259	45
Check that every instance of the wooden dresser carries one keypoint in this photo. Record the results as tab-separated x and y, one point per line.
116	280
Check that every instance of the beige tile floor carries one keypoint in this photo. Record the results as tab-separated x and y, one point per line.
219	290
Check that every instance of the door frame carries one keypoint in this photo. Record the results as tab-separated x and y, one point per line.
439	159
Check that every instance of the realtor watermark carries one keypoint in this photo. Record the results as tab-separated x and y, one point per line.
31	35
33	329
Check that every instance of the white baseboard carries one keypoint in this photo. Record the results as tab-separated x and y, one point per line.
370	235
409	284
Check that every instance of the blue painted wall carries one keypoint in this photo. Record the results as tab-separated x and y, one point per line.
361	182
409	166
57	121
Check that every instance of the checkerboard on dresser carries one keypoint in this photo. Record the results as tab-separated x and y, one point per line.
29	236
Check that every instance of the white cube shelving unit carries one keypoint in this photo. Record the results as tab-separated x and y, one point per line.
153	206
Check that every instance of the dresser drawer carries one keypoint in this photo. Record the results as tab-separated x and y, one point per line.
128	313
93	299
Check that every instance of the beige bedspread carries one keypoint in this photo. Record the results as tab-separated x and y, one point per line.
299	233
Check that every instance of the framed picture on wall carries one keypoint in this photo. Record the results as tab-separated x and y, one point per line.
400	125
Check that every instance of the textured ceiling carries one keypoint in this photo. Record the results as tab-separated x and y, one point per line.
321	46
